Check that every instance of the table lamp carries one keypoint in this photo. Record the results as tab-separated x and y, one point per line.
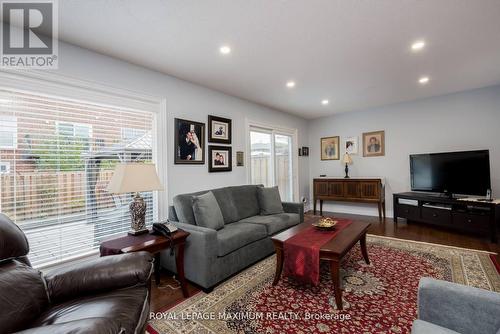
348	161
133	178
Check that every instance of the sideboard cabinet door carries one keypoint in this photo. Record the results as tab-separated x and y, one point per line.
321	188
336	189
370	189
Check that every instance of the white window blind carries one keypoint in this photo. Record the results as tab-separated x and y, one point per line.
59	166
8	128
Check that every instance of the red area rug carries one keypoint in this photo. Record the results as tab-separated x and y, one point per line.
378	298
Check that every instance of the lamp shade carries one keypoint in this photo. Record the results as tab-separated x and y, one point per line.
134	177
347	159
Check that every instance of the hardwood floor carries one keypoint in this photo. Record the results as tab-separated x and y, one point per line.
169	292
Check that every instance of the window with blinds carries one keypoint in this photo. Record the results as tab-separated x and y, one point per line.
57	156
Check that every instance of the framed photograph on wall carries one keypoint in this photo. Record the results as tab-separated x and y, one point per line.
305	151
374	144
351	145
189	142
219	130
240	159
220	159
330	148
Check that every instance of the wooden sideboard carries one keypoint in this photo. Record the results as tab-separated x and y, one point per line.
359	190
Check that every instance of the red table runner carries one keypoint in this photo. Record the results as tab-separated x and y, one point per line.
301	252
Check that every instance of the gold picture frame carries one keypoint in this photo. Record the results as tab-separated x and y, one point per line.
330	148
374	144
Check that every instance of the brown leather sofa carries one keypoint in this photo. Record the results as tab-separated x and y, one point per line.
106	295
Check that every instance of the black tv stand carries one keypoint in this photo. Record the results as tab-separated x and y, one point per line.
471	217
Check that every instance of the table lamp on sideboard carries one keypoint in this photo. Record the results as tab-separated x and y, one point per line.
133	178
347	160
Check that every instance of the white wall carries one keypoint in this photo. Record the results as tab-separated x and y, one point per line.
462	121
184	100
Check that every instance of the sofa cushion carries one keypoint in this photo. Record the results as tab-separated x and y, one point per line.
274	223
245	200
207	212
269	200
424	327
226	204
124	307
237	235
22	295
183	205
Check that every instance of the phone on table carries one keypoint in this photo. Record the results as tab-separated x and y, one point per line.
164	228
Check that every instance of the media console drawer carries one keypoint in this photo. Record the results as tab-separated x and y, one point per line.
471	222
408	211
436	216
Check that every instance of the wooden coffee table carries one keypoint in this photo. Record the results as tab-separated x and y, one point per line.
333	251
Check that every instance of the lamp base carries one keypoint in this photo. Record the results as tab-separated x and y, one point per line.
138	215
346	172
138	232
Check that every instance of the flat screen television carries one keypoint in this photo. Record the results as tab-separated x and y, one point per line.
466	173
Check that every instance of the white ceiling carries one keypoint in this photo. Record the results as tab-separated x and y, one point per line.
354	53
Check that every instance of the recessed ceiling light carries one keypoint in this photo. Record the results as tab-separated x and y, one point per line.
418	45
290	84
324	102
423	80
225	50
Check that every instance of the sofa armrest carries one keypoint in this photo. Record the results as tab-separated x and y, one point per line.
292	207
102	274
203	240
457	307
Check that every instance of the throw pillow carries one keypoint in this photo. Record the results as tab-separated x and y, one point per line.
269	201
207	212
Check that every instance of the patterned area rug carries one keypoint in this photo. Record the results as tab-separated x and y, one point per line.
378	298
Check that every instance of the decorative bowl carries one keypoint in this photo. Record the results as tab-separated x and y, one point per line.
325	224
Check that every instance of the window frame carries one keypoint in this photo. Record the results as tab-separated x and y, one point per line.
57	85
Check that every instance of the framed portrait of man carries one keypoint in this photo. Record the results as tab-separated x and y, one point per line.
219	130
330	148
374	144
189	142
220	159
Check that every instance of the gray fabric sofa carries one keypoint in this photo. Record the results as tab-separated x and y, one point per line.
212	256
450	308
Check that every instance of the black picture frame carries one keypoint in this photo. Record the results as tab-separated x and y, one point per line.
216	123
181	128
305	151
228	160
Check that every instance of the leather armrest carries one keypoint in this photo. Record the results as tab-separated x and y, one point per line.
103	274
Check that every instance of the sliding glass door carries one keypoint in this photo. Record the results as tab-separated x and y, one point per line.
283	167
271	160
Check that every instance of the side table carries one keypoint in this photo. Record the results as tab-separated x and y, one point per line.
153	244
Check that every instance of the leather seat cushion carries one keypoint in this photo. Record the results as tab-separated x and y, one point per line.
274	223
22	296
120	307
237	235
